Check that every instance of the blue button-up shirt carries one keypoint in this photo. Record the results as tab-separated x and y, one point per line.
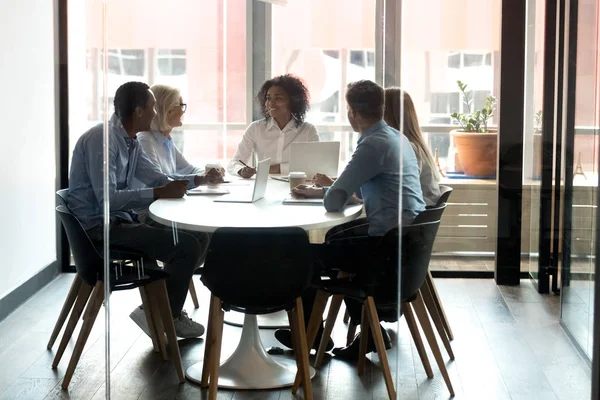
86	195
374	173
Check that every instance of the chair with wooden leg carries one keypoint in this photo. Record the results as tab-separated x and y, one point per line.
434	298
417	243
78	288
268	272
90	267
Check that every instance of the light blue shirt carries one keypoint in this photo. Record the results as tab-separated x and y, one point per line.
374	173
86	195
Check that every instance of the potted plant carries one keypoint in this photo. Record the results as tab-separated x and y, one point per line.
476	144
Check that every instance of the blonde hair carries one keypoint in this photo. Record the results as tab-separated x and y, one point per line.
410	126
166	98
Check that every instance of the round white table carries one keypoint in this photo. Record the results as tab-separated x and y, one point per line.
250	366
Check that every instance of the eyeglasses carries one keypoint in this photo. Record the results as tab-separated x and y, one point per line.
183	106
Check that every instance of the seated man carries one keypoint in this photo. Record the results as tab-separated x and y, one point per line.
134	111
374	174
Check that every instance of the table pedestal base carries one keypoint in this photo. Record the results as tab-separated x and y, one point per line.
250	366
274	320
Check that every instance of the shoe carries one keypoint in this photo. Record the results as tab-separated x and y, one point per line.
139	317
285	338
350	352
187	328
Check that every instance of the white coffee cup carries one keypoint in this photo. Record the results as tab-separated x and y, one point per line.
296	178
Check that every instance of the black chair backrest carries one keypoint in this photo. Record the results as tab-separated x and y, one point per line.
417	244
61	197
430	215
258	271
88	261
445	191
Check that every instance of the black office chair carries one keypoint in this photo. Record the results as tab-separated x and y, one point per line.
417	244
445	192
430	293
89	264
256	271
61	200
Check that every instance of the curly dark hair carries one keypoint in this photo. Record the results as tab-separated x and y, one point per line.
295	89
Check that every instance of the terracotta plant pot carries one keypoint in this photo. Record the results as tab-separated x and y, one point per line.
477	152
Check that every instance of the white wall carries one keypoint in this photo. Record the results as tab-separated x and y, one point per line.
27	162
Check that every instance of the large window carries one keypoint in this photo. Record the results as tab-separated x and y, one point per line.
438	54
202	52
328	51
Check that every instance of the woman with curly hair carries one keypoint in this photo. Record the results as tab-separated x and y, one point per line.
283	101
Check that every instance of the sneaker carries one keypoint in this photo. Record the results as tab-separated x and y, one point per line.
139	317
187	328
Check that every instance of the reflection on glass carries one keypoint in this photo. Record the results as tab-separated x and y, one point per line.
434	57
578	283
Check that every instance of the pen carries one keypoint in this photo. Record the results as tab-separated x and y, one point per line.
244	164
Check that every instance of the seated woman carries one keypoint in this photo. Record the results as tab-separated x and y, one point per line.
429	175
157	143
283	101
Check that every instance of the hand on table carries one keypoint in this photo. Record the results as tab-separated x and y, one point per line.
212	177
307	192
321	180
172	190
247	172
355	200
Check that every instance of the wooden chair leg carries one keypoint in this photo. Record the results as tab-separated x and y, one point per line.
435	316
301	351
364	340
83	295
351	333
91	312
216	353
153	299
334	309
421	312
149	319
167	319
296	345
210	342
316	320
439	306
346	317
414	332
380	346
192	291
66	309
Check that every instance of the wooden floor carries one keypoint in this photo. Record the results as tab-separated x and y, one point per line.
508	345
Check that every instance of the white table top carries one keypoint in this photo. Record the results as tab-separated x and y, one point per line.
201	213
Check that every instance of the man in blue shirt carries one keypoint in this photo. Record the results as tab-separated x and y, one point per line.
134	111
373	175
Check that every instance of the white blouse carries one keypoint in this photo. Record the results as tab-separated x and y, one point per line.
429	184
266	140
164	154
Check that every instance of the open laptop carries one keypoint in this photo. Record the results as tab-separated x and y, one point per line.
260	186
313	157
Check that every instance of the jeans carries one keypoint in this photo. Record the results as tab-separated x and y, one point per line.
181	253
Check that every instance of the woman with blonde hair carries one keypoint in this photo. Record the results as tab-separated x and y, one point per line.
429	176
157	143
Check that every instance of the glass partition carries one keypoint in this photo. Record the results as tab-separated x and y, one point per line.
577	309
435	55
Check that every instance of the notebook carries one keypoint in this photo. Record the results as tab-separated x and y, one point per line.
203	190
294	201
